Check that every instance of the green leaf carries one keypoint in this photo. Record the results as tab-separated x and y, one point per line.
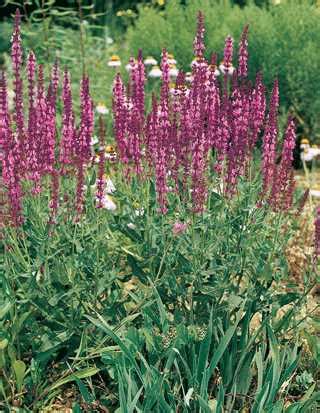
19	368
3	344
87	397
260	399
80	374
161	307
122	395
224	343
293	408
308	403
276	369
5	308
134	402
204	356
220	399
204	405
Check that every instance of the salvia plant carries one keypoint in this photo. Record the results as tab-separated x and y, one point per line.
158	292
192	130
204	126
30	149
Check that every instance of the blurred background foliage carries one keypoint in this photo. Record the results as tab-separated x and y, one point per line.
283	41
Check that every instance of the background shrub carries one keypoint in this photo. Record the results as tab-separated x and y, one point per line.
283	43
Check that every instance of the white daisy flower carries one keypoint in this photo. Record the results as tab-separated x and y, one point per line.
155	72
226	70
150	61
304	143
130	65
102	109
171	60
173	71
309	153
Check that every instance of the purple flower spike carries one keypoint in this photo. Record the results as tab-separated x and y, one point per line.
270	140
120	118
198	43
67	144
83	143
243	54
16	57
282	189
101	168
83	147
228	52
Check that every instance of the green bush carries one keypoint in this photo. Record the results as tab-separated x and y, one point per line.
283	43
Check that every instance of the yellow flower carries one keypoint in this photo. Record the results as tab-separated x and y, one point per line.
114	61
110	149
305	141
161	2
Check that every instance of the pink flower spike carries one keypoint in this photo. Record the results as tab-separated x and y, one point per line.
198	43
100	184
243	53
16	57
228	52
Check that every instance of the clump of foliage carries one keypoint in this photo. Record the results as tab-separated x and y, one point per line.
155	288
